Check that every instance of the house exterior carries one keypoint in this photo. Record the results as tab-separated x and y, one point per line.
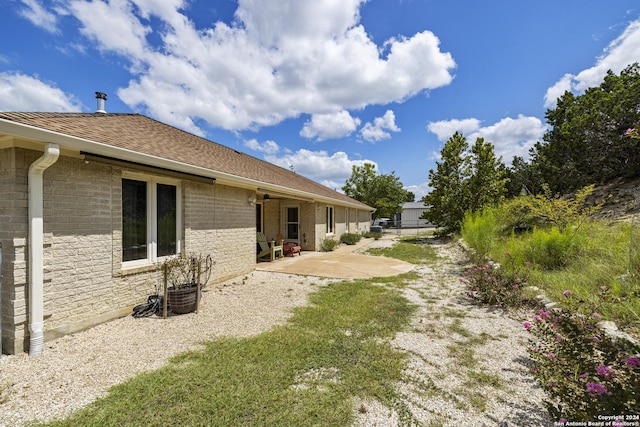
92	203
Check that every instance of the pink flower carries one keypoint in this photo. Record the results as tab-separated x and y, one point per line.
527	325
604	371
596	315
537	318
597	389
551	355
604	288
632	362
567	293
629	131
584	376
562	421
545	314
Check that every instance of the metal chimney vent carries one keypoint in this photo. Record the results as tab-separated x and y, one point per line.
102	101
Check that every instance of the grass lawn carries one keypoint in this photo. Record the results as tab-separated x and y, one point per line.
410	249
307	372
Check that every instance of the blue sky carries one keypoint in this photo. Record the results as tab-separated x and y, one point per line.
319	86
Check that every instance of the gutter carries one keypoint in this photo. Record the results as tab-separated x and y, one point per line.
36	247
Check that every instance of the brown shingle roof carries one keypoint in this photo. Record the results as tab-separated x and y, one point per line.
147	136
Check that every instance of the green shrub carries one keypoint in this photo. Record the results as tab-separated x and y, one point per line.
517	215
584	372
375	236
328	244
495	286
350	238
549	249
480	231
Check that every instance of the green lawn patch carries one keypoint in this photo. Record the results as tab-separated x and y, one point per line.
414	250
307	372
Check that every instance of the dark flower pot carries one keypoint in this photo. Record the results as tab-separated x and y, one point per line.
182	300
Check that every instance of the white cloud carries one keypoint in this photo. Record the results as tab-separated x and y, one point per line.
446	128
620	53
319	165
334	185
280	59
377	131
331	125
419	190
114	26
39	16
19	92
510	137
268	147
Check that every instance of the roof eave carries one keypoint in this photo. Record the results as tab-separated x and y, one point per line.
34	133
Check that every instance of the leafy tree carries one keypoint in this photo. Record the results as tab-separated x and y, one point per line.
381	191
464	180
587	143
449	198
411	197
488	177
522	178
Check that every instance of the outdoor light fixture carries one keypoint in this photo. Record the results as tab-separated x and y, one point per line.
252	201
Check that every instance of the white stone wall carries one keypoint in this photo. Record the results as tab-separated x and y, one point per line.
84	283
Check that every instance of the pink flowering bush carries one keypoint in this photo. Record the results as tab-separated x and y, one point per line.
584	372
495	286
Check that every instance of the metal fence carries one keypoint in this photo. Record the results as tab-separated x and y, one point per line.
408	228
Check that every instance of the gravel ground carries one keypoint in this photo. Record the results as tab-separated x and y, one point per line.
75	370
494	389
468	365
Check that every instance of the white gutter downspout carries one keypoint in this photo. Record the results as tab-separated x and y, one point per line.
36	247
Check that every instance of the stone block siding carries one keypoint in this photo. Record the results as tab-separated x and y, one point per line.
84	283
307	226
340	228
219	220
271	219
364	221
14	230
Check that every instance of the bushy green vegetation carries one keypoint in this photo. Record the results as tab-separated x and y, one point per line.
467	179
350	238
585	372
583	256
328	244
308	372
590	269
372	235
384	192
588	140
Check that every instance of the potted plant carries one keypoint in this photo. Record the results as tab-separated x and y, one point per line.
183	278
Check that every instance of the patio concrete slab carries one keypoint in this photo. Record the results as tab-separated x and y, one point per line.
342	263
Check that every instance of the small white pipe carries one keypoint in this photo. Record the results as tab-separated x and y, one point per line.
36	247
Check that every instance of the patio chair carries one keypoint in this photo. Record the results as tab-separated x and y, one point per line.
268	249
290	247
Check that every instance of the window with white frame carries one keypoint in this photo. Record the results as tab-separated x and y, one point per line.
330	220
151	220
292	222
